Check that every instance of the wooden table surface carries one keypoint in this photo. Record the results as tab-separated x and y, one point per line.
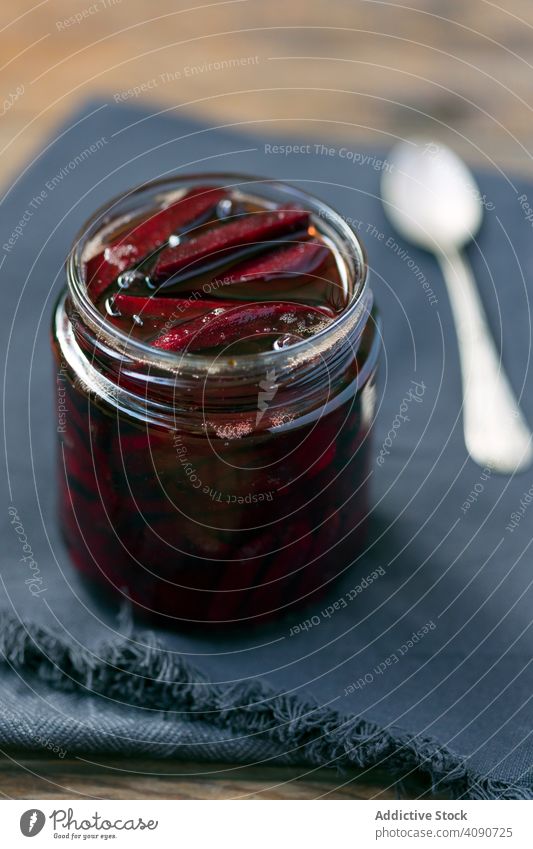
95	777
370	70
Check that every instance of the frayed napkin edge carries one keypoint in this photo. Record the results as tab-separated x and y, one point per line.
136	670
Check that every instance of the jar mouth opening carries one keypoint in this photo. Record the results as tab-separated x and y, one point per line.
348	243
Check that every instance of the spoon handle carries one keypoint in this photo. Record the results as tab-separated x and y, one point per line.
495	431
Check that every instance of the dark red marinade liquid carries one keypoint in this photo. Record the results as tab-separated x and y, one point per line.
241	514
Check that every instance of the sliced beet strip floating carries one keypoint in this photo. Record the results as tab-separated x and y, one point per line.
212	246
305	258
127	251
227	324
166	308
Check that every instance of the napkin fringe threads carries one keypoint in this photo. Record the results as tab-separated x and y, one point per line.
137	669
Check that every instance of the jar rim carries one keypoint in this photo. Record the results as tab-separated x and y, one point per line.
173	361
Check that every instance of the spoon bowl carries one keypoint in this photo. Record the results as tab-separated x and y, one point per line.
431	196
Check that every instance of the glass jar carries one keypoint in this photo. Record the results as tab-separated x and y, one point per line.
214	490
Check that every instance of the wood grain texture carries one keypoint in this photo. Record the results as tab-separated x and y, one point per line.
330	69
36	777
333	69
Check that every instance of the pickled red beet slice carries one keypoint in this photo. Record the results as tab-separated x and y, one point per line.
213	244
226	324
300	258
174	308
145	237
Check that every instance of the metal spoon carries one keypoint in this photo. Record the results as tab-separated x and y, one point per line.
433	201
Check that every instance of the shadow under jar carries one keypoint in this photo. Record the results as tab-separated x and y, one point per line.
224	484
